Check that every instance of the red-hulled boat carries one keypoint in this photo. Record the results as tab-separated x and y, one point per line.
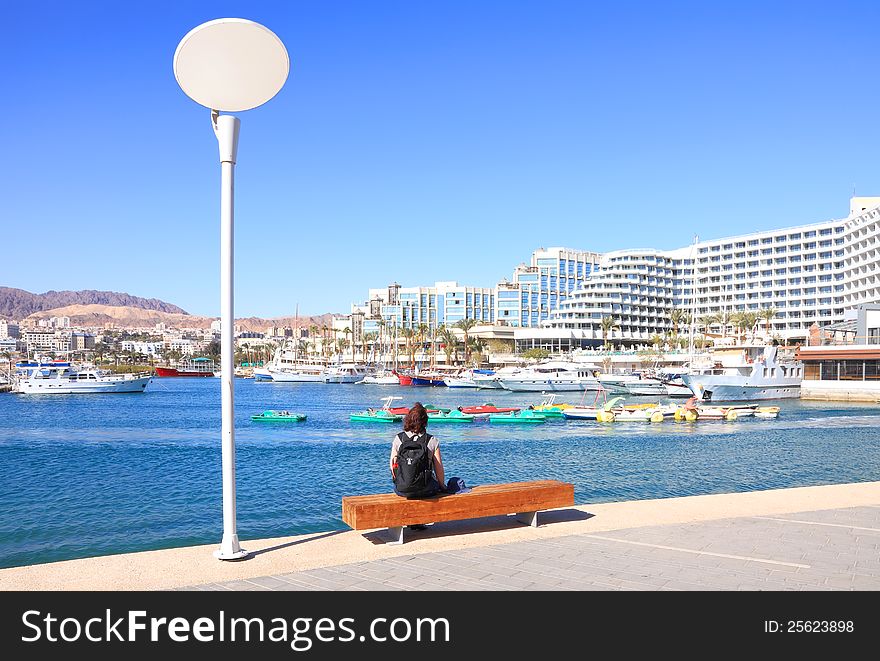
404	378
194	367
487	409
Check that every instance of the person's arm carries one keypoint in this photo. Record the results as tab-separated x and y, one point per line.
392	460
438	469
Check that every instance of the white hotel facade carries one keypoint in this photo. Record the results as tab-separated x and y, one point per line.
818	273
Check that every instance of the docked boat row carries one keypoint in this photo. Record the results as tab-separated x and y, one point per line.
740	373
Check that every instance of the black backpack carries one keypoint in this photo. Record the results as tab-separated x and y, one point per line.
415	466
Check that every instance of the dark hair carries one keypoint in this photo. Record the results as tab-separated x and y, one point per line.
416	420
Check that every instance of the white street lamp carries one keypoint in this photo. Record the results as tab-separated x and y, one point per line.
229	65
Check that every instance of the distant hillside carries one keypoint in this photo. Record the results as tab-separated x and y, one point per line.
120	316
18	303
259	324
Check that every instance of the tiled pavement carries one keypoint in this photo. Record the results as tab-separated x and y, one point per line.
823	550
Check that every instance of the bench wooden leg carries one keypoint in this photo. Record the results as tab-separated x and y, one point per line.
528	518
395	535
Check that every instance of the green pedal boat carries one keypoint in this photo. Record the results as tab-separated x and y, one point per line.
375	415
450	416
518	418
278	416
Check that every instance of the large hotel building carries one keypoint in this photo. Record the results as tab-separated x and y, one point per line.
810	274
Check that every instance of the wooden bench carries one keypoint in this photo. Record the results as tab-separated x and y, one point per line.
525	499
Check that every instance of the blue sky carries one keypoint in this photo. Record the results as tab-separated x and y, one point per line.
422	140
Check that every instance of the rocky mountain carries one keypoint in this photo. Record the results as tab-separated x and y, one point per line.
18	303
88	309
96	316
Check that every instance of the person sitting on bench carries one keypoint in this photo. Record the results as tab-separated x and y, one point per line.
416	463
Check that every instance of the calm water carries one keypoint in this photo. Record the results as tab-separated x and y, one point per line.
97	474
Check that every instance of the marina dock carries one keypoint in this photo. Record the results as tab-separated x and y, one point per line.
806	538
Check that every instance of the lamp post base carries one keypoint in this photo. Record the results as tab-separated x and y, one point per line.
230	550
220	554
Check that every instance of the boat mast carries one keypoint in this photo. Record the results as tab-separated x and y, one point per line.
296	336
693	302
395	345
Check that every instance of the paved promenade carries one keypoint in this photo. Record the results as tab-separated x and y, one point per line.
814	538
822	550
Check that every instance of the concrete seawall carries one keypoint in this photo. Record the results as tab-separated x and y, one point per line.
841	391
180	567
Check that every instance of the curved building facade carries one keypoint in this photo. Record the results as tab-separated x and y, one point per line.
635	287
808	274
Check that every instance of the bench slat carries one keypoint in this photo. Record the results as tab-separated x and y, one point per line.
391	510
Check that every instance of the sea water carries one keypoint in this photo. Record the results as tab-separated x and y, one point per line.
86	475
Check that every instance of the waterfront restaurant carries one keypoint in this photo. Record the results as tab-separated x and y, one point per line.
843	359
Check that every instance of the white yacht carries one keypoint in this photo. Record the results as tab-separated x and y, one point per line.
66	379
491	381
383	377
466	378
301	373
262	374
745	374
285	367
346	373
553	376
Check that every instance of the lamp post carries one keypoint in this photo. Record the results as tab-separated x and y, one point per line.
229	65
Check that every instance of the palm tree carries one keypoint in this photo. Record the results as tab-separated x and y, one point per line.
736	320
7	358
707	321
608	324
325	344
477	347
407	334
450	342
347	331
749	320
369	339
724	318
465	325
768	314
422	335
382	325
676	317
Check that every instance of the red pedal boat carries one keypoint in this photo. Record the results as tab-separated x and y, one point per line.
487	409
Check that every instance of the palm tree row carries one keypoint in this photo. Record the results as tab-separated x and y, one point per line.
742	321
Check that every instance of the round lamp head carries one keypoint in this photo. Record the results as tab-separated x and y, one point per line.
231	64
